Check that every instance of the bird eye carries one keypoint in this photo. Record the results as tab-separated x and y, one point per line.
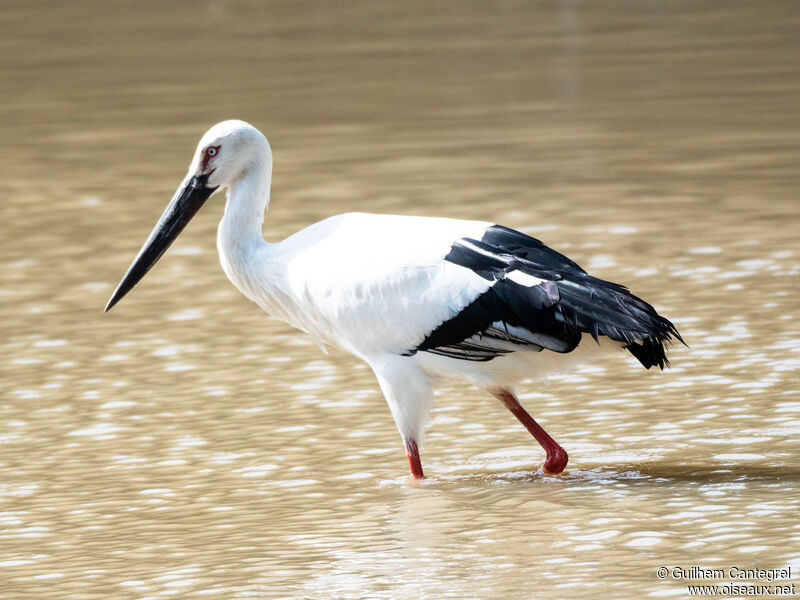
211	151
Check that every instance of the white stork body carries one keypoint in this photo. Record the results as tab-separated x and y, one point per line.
365	283
417	298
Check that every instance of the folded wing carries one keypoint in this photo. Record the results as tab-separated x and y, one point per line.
539	299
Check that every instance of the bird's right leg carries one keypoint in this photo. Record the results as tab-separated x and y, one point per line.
408	392
556	455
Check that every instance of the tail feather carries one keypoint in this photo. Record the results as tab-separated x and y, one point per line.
650	353
605	308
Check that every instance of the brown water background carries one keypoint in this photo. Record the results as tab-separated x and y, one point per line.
186	446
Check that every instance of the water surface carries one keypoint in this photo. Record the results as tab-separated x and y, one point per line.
186	446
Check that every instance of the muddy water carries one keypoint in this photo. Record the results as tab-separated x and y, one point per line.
186	446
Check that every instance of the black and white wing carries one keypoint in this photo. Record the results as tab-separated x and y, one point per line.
539	299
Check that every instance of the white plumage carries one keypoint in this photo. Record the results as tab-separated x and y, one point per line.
417	298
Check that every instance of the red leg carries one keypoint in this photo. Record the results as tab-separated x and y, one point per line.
556	456
413	460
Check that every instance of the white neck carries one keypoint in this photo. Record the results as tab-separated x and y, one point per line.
239	238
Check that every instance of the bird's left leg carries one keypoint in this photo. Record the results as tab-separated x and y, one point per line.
414	462
408	392
556	455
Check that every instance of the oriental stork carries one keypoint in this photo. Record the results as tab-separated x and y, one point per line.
418	299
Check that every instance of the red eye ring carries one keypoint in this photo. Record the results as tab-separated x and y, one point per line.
212	151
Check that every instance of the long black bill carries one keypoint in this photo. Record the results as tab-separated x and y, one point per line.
184	205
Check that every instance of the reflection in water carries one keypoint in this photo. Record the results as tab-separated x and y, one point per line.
186	446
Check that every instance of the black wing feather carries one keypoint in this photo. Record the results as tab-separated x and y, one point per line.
554	313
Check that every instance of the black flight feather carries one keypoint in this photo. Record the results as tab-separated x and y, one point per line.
554	311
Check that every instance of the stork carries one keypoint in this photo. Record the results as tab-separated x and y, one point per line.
419	299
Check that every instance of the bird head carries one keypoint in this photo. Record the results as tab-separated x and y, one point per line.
226	153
